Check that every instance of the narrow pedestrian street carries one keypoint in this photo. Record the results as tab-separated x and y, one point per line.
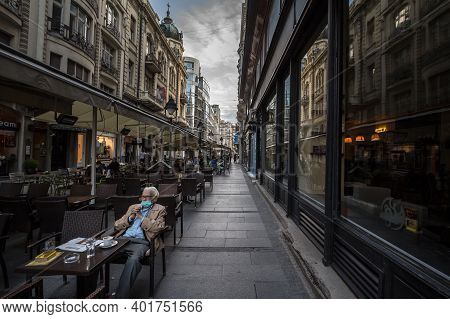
231	248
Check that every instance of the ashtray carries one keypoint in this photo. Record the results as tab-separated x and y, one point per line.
71	258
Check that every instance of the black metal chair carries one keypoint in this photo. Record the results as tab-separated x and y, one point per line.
200	181
209	178
122	203
24	219
33	289
51	215
37	190
10	189
174	207
132	186
104	193
168	189
87	223
5	222
189	187
170	180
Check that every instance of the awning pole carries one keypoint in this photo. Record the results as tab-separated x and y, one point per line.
94	149
21	146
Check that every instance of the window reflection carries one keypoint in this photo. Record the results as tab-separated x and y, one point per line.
310	168
396	138
270	154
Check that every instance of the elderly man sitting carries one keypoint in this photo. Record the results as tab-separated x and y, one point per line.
141	223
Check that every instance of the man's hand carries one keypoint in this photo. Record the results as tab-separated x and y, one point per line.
136	209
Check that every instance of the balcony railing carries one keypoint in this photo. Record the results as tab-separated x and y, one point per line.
113	29
400	73
14	6
152	64
74	38
149	98
107	67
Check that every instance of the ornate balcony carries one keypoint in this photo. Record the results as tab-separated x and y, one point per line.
113	29
109	69
152	64
149	99
74	38
14	6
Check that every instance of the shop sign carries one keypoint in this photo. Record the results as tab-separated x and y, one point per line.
9	126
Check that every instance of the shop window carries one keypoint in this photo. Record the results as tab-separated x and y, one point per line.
285	135
396	142
55	60
270	133
310	154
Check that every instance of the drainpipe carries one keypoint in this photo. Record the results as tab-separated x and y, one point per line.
140	55
93	149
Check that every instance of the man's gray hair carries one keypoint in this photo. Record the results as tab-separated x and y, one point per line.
153	193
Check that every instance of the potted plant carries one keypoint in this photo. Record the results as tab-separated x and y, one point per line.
30	166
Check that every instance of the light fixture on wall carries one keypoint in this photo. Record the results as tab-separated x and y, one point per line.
375	137
348	140
125	131
360	138
66	119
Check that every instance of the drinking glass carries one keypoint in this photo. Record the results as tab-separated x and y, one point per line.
90	247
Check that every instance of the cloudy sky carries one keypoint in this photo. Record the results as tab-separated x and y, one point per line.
211	31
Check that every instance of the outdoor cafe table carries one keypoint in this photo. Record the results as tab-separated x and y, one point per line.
85	269
79	200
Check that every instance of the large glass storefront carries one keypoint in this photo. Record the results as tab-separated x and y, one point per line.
396	133
312	120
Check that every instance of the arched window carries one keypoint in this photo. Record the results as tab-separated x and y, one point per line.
402	17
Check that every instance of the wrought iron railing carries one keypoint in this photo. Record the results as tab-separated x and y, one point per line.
113	29
107	67
14	6
71	36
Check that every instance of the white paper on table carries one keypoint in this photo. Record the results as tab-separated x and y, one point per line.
73	245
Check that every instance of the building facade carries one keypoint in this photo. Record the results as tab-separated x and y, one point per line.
117	46
197	93
354	147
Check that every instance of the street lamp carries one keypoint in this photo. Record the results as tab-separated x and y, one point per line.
211	135
171	107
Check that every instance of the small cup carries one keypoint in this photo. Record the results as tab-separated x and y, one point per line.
107	241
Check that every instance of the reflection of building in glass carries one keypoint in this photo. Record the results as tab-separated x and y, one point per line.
397	129
312	119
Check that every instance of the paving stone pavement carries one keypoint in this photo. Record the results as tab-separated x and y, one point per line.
231	248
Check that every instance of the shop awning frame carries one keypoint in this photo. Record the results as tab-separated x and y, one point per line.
22	69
